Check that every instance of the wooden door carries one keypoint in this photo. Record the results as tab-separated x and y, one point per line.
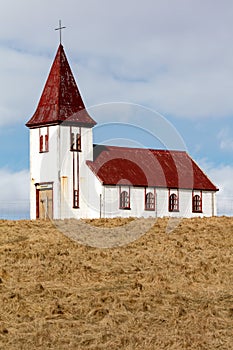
45	204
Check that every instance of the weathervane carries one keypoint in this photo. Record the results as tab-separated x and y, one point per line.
60	29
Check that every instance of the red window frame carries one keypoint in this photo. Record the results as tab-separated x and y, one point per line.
75	198
124	198
44	141
197	203
75	141
78	142
150	205
41	143
173	202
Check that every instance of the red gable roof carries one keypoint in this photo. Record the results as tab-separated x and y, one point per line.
61	100
147	167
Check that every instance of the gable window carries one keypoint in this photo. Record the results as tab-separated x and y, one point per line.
197	203
43	140
124	199
75	140
149	201
173	202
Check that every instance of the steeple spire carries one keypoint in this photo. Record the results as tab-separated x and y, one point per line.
60	100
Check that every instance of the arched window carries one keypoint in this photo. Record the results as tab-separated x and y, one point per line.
173	202
150	201
197	205
124	200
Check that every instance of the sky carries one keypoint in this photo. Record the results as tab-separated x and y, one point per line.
173	58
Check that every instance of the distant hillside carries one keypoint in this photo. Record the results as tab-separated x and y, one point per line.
163	291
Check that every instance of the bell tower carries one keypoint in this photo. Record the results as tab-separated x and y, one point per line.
60	142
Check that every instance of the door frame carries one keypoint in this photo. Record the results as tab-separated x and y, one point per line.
42	186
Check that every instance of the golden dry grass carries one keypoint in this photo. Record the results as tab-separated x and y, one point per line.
163	291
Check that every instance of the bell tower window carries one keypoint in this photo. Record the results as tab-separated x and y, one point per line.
75	139
43	140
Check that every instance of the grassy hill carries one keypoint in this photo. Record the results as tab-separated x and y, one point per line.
163	291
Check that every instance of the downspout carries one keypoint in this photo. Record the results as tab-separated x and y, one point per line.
100	205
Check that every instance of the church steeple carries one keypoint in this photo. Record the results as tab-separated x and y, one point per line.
60	100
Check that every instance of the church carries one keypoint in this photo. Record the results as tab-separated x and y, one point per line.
70	177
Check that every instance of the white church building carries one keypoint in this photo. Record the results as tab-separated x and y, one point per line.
72	178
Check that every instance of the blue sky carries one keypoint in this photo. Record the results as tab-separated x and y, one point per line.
173	57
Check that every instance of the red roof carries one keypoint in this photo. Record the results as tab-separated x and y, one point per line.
147	167
61	100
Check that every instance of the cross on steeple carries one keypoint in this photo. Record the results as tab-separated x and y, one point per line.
60	29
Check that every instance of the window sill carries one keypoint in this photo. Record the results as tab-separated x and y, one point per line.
150	209
173	211
197	211
43	151
125	208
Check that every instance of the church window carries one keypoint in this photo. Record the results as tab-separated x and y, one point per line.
76	199
124	199
75	140
150	201
43	140
197	204
41	143
46	143
173	202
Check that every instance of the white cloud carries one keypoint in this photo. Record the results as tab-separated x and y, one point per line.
172	56
22	79
226	141
14	189
221	176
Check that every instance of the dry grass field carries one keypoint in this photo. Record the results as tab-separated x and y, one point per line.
163	291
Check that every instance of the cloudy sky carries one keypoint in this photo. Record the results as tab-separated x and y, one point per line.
170	56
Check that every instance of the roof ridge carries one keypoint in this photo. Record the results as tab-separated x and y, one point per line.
140	148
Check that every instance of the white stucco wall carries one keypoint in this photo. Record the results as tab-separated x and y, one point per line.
137	203
89	186
56	166
44	166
